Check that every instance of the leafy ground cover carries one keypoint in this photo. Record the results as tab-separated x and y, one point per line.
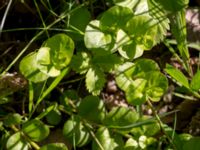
101	75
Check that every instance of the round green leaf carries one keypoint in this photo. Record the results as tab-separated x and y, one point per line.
92	108
54	117
96	39
75	132
156	86
54	146
12	119
17	142
44	63
135	93
126	47
143	30
29	68
120	117
142	67
61	50
79	18
115	18
36	130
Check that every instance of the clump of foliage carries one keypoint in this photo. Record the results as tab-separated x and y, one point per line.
91	46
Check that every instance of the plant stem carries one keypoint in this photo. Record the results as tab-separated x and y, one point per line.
33	144
160	122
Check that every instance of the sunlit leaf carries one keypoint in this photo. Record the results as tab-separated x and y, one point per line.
106	140
177	75
156	86
44	63
95	80
17	142
81	62
92	108
94	38
136	94
195	80
120	117
61	50
36	130
115	18
171	5
142	28
29	68
131	144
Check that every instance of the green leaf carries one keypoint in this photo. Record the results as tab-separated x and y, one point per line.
142	67
106	62
44	63
192	144
54	117
96	39
124	78
131	144
115	18
28	67
160	17
54	146
95	80
143	30
92	108
156	86
78	20
195	80
81	62
177	75
136	94
127	3
17	142
131	50
120	117
149	129
142	80
171	5
12	119
36	130
96	107
76	132
106	141
61	50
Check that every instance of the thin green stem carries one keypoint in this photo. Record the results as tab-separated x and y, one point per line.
160	122
30	42
43	23
33	144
